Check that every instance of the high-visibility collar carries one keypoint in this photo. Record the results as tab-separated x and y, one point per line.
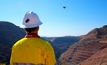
32	35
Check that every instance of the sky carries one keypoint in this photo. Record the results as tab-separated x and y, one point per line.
78	18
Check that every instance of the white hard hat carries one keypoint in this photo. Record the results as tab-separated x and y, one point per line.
30	20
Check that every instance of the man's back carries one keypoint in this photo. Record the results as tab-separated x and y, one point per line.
32	51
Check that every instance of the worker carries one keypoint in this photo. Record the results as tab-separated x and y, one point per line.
32	50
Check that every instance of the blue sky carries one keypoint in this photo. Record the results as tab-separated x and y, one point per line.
78	18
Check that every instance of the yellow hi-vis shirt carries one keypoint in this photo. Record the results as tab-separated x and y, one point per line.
32	51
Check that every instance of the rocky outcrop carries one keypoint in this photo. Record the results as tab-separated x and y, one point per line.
90	44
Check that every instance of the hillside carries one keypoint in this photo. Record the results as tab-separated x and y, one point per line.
9	34
61	44
90	44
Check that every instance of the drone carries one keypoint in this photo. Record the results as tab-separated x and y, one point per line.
64	7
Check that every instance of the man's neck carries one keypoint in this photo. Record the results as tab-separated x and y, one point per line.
32	35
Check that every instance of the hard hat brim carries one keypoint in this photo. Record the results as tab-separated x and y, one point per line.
31	26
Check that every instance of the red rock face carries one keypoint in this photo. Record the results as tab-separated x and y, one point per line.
81	53
90	44
99	58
